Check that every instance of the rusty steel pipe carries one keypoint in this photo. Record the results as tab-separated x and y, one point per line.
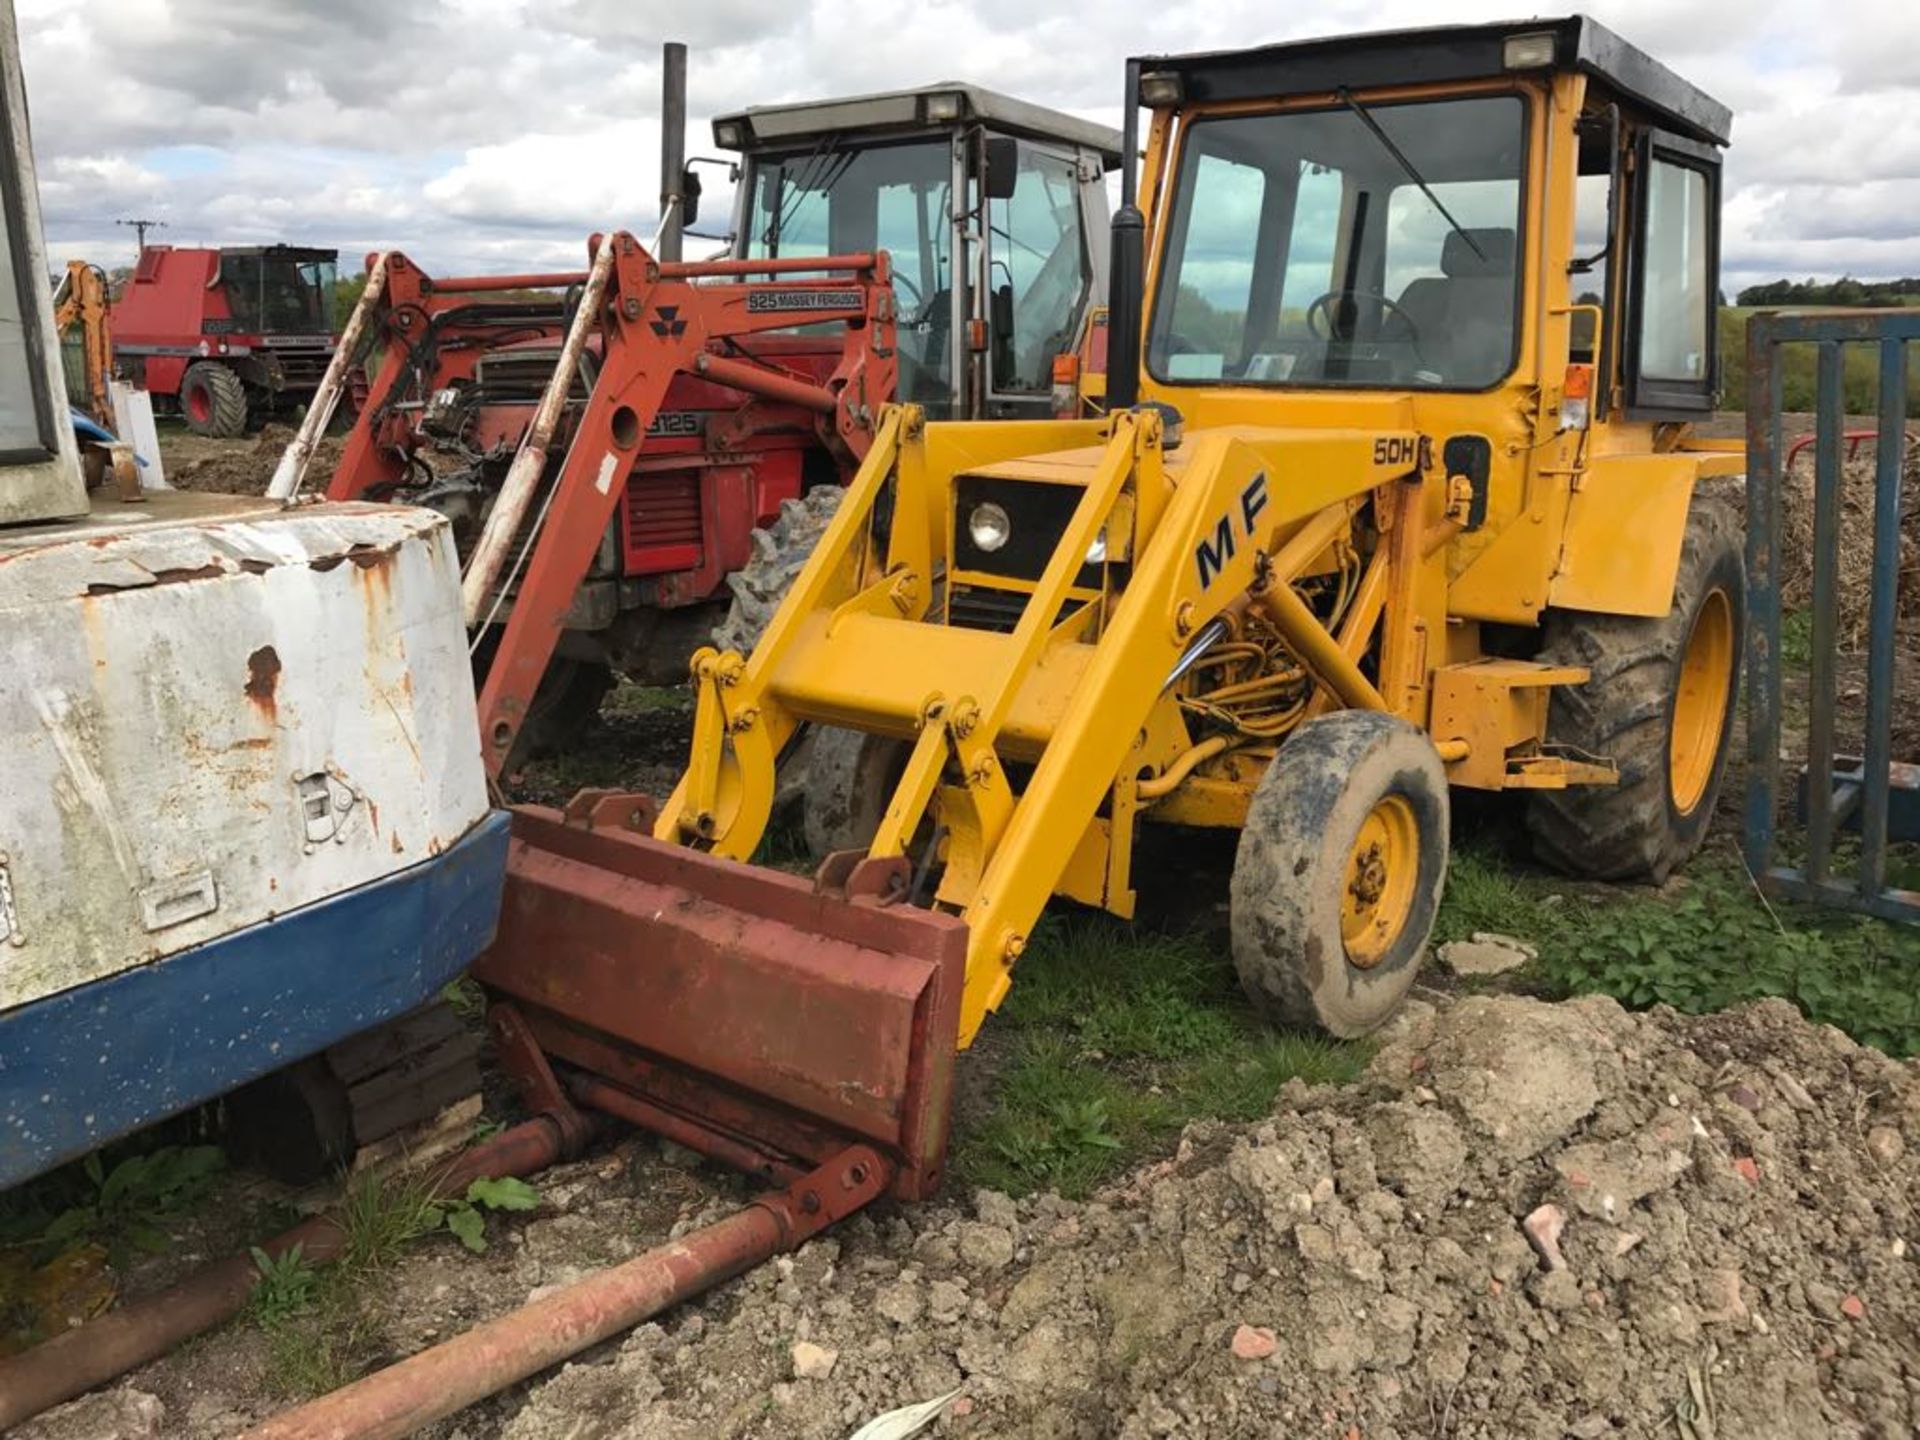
602	1095
510	508
292	468
75	1362
449	1377
756	380
478	284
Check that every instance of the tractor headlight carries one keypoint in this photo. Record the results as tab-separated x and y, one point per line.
1097	551
989	526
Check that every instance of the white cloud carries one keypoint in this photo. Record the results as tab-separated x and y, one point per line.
497	133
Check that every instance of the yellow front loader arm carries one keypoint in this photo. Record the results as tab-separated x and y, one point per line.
1073	690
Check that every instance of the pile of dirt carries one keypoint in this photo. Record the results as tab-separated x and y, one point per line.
1526	1220
1854	571
243	467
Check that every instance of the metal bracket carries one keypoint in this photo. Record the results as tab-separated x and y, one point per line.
526	1064
864	879
628	810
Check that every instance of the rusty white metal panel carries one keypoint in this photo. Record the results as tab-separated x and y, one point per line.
215	713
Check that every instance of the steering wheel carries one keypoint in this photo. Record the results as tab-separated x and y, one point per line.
1323	306
919	301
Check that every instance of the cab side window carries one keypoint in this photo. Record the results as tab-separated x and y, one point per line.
1671	364
1673	335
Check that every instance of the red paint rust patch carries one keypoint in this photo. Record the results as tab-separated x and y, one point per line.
263	678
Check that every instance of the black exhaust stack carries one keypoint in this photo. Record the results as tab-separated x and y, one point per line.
673	148
1127	260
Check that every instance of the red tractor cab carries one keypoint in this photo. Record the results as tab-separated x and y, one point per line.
226	337
982	217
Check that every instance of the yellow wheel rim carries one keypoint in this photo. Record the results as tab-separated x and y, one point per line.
1700	702
1382	872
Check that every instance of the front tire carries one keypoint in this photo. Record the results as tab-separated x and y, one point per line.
1338	876
214	401
1659	703
850	780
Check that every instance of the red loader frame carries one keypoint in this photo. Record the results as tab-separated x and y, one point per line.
654	321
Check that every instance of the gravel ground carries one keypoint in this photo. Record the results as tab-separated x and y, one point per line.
1524	1220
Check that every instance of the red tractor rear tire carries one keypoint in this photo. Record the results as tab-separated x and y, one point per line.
213	400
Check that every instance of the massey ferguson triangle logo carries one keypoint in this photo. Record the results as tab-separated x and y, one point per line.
667	324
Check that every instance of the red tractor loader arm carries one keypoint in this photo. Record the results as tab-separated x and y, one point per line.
646	322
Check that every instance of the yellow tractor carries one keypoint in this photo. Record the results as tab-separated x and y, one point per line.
1393	493
1399	498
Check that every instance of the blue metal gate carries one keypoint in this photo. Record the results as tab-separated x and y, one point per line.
1869	791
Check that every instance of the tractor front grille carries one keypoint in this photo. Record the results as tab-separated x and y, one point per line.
302	367
974	607
663	521
514	376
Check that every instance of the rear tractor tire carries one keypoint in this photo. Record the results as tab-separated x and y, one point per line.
564	707
1339	872
213	400
779	552
1659	703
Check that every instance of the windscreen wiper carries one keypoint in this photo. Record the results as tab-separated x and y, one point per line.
1345	97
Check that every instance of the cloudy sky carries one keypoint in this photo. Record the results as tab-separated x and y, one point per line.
492	134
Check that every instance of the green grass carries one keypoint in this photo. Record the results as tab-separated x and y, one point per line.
382	1215
122	1198
1703	944
323	1326
1796	637
1117	1037
627	698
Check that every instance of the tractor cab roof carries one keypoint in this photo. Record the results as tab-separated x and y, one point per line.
1440	55
893	113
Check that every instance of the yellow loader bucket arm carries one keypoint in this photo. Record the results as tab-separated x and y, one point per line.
1079	690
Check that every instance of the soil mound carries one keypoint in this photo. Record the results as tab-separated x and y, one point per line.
1526	1220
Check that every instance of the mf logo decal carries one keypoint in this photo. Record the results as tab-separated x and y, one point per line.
761	302
667	323
1217	548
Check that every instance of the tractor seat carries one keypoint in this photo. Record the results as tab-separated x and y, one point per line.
1464	315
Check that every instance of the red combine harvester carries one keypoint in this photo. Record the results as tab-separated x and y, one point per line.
608	441
227	336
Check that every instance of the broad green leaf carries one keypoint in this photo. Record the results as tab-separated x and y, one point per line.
469	1226
506	1193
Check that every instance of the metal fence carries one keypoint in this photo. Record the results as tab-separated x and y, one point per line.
1868	791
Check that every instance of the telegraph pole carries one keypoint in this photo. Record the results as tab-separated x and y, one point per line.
140	228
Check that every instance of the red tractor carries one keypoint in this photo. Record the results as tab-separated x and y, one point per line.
226	337
941	246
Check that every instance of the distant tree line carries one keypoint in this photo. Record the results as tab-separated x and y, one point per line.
1846	291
